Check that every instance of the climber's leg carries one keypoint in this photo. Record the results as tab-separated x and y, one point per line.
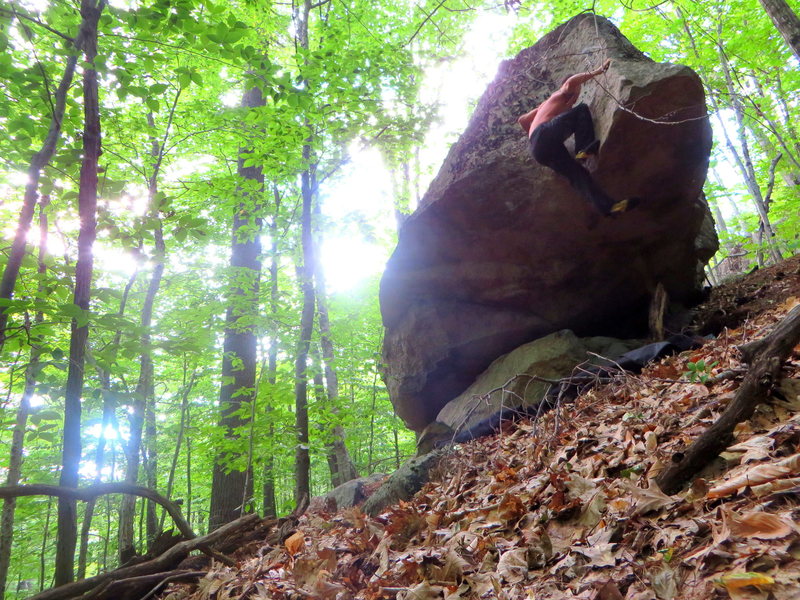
547	147
583	126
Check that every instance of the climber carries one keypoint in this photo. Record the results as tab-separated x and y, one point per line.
552	122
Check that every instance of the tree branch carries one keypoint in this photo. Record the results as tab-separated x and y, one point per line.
93	491
15	12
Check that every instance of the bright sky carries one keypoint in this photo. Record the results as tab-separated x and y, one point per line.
364	191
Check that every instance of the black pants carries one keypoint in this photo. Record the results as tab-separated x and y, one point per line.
547	147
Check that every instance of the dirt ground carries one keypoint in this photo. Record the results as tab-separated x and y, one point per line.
731	303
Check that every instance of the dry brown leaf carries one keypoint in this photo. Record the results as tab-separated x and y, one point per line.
756	448
599	555
665	583
651	441
294	543
775	486
757	475
422	591
759	525
513	565
609	591
789	304
650	499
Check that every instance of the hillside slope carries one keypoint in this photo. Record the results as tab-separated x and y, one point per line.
562	507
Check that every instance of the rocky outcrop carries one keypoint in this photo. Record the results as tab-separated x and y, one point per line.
404	483
502	251
507	382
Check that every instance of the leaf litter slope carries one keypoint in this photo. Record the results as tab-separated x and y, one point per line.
564	507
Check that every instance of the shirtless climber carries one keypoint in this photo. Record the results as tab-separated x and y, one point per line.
552	122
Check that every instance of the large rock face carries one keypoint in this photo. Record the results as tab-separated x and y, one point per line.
502	250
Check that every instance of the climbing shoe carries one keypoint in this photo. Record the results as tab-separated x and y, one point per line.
624	205
590	150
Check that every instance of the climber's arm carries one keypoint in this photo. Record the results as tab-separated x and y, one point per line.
526	119
572	86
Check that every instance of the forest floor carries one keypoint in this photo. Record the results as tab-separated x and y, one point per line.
565	507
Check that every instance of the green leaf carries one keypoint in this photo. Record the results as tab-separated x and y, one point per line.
73	311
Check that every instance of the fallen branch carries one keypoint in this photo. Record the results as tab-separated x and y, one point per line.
165	562
93	491
117	589
766	357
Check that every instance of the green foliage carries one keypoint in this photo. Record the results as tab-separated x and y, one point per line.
699	371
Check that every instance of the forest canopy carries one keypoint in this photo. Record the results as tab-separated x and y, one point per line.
174	177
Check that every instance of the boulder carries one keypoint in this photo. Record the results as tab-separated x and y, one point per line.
507	384
355	491
404	482
502	251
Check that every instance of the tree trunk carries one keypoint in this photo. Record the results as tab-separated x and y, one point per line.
144	394
18	435
187	389
786	22
268	488
746	162
109	407
302	490
302	451
38	162
150	465
341	465
87	206
232	488
189	468
45	543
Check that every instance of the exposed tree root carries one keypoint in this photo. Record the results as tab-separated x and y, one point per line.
766	357
144	576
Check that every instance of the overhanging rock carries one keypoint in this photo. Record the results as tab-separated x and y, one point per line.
502	250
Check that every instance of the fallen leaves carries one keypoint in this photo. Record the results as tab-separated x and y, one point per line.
566	509
759	525
756	475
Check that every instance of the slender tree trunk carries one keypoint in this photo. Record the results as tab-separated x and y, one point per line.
45	540
396	448
189	468
748	171
144	393
302	490
109	408
187	390
18	435
302	451
786	22
38	162
342	467
372	421
150	459
232	488
268	488
87	206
